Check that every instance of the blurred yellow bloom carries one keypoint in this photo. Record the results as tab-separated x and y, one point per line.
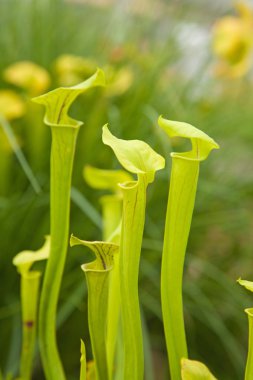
71	69
233	42
11	105
118	81
232	39
29	76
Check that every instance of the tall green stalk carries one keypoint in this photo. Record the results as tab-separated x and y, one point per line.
134	204
183	185
249	365
97	277
83	366
112	212
64	133
111	203
137	157
30	283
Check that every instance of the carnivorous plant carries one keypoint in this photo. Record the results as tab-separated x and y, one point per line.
64	133
183	186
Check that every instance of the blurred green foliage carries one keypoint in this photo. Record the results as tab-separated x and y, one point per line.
171	73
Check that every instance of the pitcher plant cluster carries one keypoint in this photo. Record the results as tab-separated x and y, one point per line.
114	316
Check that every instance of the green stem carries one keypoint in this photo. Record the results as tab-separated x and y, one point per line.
98	285
112	209
97	277
249	365
181	200
64	133
30	282
62	155
183	186
111	212
83	368
134	203
137	157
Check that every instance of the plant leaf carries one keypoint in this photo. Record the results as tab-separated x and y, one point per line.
195	370
111	216
83	361
58	101
134	205
134	155
249	365
97	277
247	284
64	132
112	213
103	250
183	186
30	284
139	158
105	179
24	260
202	144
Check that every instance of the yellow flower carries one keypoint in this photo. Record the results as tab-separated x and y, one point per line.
29	76
233	42
72	69
119	81
11	105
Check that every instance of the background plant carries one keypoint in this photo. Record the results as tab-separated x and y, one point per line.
172	65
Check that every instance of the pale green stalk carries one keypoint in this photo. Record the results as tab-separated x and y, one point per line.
64	133
134	204
97	277
138	158
83	362
249	365
30	282
111	212
183	185
63	146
